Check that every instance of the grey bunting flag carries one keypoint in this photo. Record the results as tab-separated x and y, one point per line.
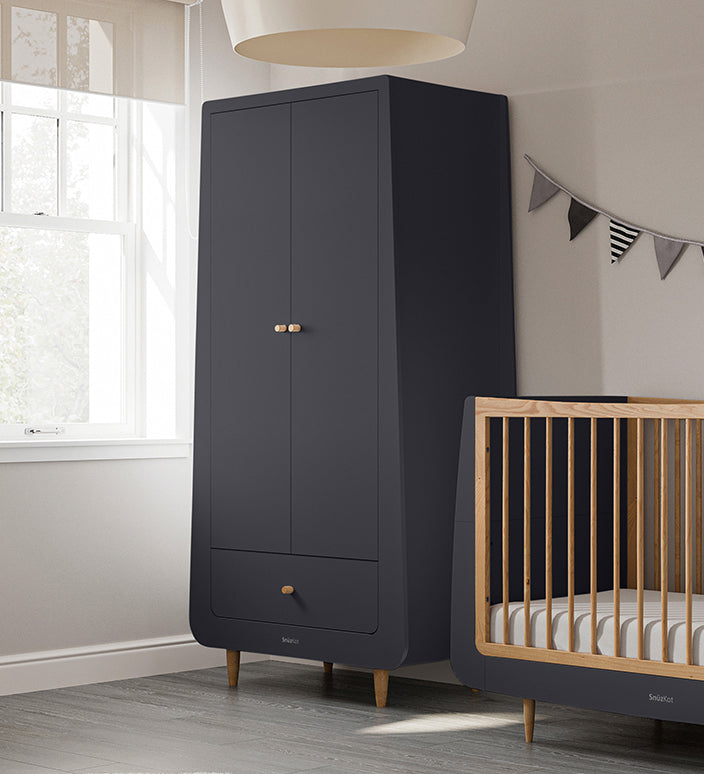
667	251
622	237
543	190
579	216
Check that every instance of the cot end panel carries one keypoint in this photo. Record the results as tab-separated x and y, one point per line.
467	662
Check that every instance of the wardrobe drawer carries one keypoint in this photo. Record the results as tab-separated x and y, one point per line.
311	591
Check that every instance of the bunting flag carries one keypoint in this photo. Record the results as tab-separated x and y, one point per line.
579	216
622	237
543	189
667	251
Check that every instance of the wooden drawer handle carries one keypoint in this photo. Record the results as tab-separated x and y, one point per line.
287	589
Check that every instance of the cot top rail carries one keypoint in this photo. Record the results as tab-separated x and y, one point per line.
640	408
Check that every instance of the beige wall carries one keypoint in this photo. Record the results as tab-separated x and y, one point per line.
93	552
584	325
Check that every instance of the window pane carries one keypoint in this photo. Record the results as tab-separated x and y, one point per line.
60	327
33	96
90	104
89	54
34	162
90	152
106	326
3	124
34	46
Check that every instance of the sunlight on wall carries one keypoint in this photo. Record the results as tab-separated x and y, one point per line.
160	250
160	366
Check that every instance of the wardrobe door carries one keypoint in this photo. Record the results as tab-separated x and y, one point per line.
250	294
334	258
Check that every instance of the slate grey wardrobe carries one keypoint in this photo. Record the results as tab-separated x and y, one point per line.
354	285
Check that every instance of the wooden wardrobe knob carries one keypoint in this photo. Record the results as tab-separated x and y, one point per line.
281	328
294	328
287	589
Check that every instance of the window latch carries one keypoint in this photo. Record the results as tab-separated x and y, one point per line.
55	430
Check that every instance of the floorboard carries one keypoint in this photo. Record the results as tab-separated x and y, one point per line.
288	717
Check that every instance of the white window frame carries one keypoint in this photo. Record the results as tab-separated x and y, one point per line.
123	225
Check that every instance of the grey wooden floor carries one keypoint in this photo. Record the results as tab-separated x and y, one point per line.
292	718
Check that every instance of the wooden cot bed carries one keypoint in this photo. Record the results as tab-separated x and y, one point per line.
578	571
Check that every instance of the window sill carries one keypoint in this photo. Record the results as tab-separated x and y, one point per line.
77	449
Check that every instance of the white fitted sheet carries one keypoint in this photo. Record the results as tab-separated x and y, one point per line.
652	624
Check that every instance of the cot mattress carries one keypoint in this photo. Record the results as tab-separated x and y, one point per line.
652	625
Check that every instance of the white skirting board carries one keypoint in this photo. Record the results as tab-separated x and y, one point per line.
40	671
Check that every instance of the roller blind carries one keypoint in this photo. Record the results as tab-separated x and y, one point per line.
131	48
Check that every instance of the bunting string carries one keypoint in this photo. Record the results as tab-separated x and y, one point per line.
608	214
622	233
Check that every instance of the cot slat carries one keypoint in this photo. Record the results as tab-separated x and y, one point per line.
617	537
656	500
664	537
504	527
688	536
632	506
592	532
699	506
678	506
548	532
640	538
526	532
570	533
482	533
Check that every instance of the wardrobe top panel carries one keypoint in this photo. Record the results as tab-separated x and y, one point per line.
380	83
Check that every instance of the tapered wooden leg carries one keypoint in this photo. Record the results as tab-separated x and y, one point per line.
327	667
529	718
381	686
233	667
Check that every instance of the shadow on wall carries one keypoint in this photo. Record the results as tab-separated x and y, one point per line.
559	330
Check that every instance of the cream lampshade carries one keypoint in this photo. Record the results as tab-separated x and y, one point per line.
348	33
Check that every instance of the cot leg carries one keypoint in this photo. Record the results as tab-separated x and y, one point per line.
381	686
233	667
327	667
529	718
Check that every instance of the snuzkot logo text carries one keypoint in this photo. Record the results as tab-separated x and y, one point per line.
660	697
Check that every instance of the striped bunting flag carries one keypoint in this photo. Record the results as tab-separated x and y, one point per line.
622	237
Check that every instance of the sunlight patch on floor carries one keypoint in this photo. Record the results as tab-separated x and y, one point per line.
433	724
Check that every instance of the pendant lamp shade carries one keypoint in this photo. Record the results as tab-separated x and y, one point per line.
348	33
